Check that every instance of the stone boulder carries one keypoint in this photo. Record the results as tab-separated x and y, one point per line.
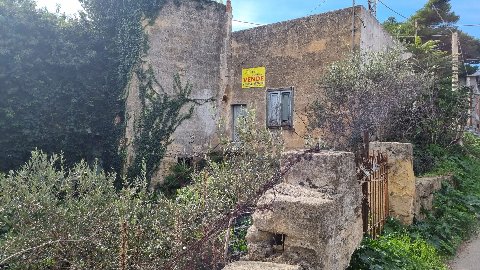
425	190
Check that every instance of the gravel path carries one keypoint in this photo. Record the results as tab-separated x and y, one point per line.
468	257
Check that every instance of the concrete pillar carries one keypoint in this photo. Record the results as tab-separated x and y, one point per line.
315	212
401	179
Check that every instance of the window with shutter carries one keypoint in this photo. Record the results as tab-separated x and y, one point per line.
273	109
280	107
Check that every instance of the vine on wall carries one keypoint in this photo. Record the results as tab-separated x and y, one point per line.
161	115
64	80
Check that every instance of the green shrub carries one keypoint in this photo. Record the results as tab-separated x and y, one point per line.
52	217
180	176
396	251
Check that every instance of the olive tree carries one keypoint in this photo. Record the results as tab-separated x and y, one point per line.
362	92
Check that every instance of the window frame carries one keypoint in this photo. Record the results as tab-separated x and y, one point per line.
232	108
280	91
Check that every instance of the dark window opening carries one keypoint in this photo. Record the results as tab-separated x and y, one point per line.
239	111
279	243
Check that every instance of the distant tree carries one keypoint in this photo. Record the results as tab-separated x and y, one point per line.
428	16
435	21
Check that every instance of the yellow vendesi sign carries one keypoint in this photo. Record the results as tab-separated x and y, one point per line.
253	77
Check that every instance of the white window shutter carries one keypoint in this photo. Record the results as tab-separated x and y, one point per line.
274	108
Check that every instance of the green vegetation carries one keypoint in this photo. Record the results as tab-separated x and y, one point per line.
455	217
64	82
366	102
180	176
434	22
396	251
52	217
58	89
161	115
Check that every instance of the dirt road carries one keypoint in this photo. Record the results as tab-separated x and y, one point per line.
468	257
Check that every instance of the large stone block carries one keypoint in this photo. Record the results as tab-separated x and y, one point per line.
401	178
313	219
294	210
328	172
425	189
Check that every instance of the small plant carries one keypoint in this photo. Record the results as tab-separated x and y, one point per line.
238	243
180	176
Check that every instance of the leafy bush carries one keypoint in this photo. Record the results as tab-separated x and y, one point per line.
52	217
396	251
180	176
361	92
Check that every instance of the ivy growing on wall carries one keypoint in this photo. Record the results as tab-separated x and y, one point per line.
161	115
63	80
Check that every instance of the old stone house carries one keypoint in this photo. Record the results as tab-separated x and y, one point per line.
195	40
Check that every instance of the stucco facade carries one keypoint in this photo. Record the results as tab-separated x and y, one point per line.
195	40
295	54
191	39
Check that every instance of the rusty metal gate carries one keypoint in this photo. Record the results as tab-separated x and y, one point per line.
372	173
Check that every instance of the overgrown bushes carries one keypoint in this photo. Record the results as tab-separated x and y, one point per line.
362	93
53	217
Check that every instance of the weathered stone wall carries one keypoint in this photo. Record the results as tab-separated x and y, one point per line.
317	212
191	38
472	82
296	53
401	179
373	36
425	190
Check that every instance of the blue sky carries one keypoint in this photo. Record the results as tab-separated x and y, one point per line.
269	11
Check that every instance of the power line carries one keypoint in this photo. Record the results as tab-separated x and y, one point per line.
469	25
244	22
258	24
319	5
394	11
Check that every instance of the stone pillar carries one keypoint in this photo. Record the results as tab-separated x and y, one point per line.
401	179
425	189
